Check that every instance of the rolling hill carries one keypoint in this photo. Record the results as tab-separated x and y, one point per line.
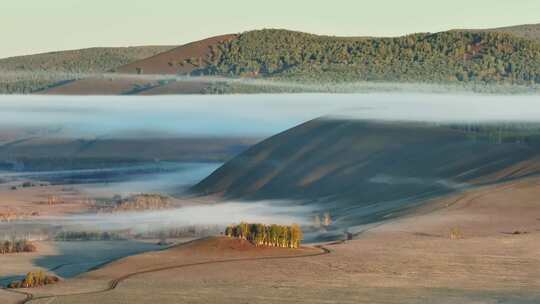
447	57
25	74
182	60
453	57
504	56
366	171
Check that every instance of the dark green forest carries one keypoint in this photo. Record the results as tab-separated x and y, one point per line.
447	57
481	60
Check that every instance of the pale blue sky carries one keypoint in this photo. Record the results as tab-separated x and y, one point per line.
31	26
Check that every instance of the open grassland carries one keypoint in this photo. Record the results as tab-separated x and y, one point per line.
410	260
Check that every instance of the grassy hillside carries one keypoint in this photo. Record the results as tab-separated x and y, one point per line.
25	74
182	60
361	171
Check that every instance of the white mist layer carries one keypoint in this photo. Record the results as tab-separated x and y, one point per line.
9	76
249	115
223	214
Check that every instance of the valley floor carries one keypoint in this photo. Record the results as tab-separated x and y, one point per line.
411	260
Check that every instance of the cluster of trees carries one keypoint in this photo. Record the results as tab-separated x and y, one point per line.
180	232
267	235
454	56
324	222
139	202
70	236
34	279
16	246
8	216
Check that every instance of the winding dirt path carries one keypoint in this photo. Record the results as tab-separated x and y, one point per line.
115	282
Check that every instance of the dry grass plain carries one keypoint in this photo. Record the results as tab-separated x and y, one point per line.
32	202
410	260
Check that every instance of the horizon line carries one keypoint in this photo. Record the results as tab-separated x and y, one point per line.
260	29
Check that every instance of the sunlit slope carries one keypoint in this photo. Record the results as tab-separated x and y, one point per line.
374	168
182	60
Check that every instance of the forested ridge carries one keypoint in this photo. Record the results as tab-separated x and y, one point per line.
463	58
454	56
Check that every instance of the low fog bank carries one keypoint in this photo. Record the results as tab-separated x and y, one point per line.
216	216
274	85
172	182
247	115
158	177
222	214
443	108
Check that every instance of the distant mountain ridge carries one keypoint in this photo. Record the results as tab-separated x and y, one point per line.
97	59
25	74
495	56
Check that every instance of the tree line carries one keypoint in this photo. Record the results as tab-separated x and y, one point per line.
72	236
267	235
16	246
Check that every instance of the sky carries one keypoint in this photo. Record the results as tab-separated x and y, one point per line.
33	26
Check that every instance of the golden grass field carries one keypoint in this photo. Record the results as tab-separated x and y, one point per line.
407	260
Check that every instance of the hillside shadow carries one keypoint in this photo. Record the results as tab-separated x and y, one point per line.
75	258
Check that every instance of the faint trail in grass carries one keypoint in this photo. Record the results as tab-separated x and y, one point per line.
113	284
